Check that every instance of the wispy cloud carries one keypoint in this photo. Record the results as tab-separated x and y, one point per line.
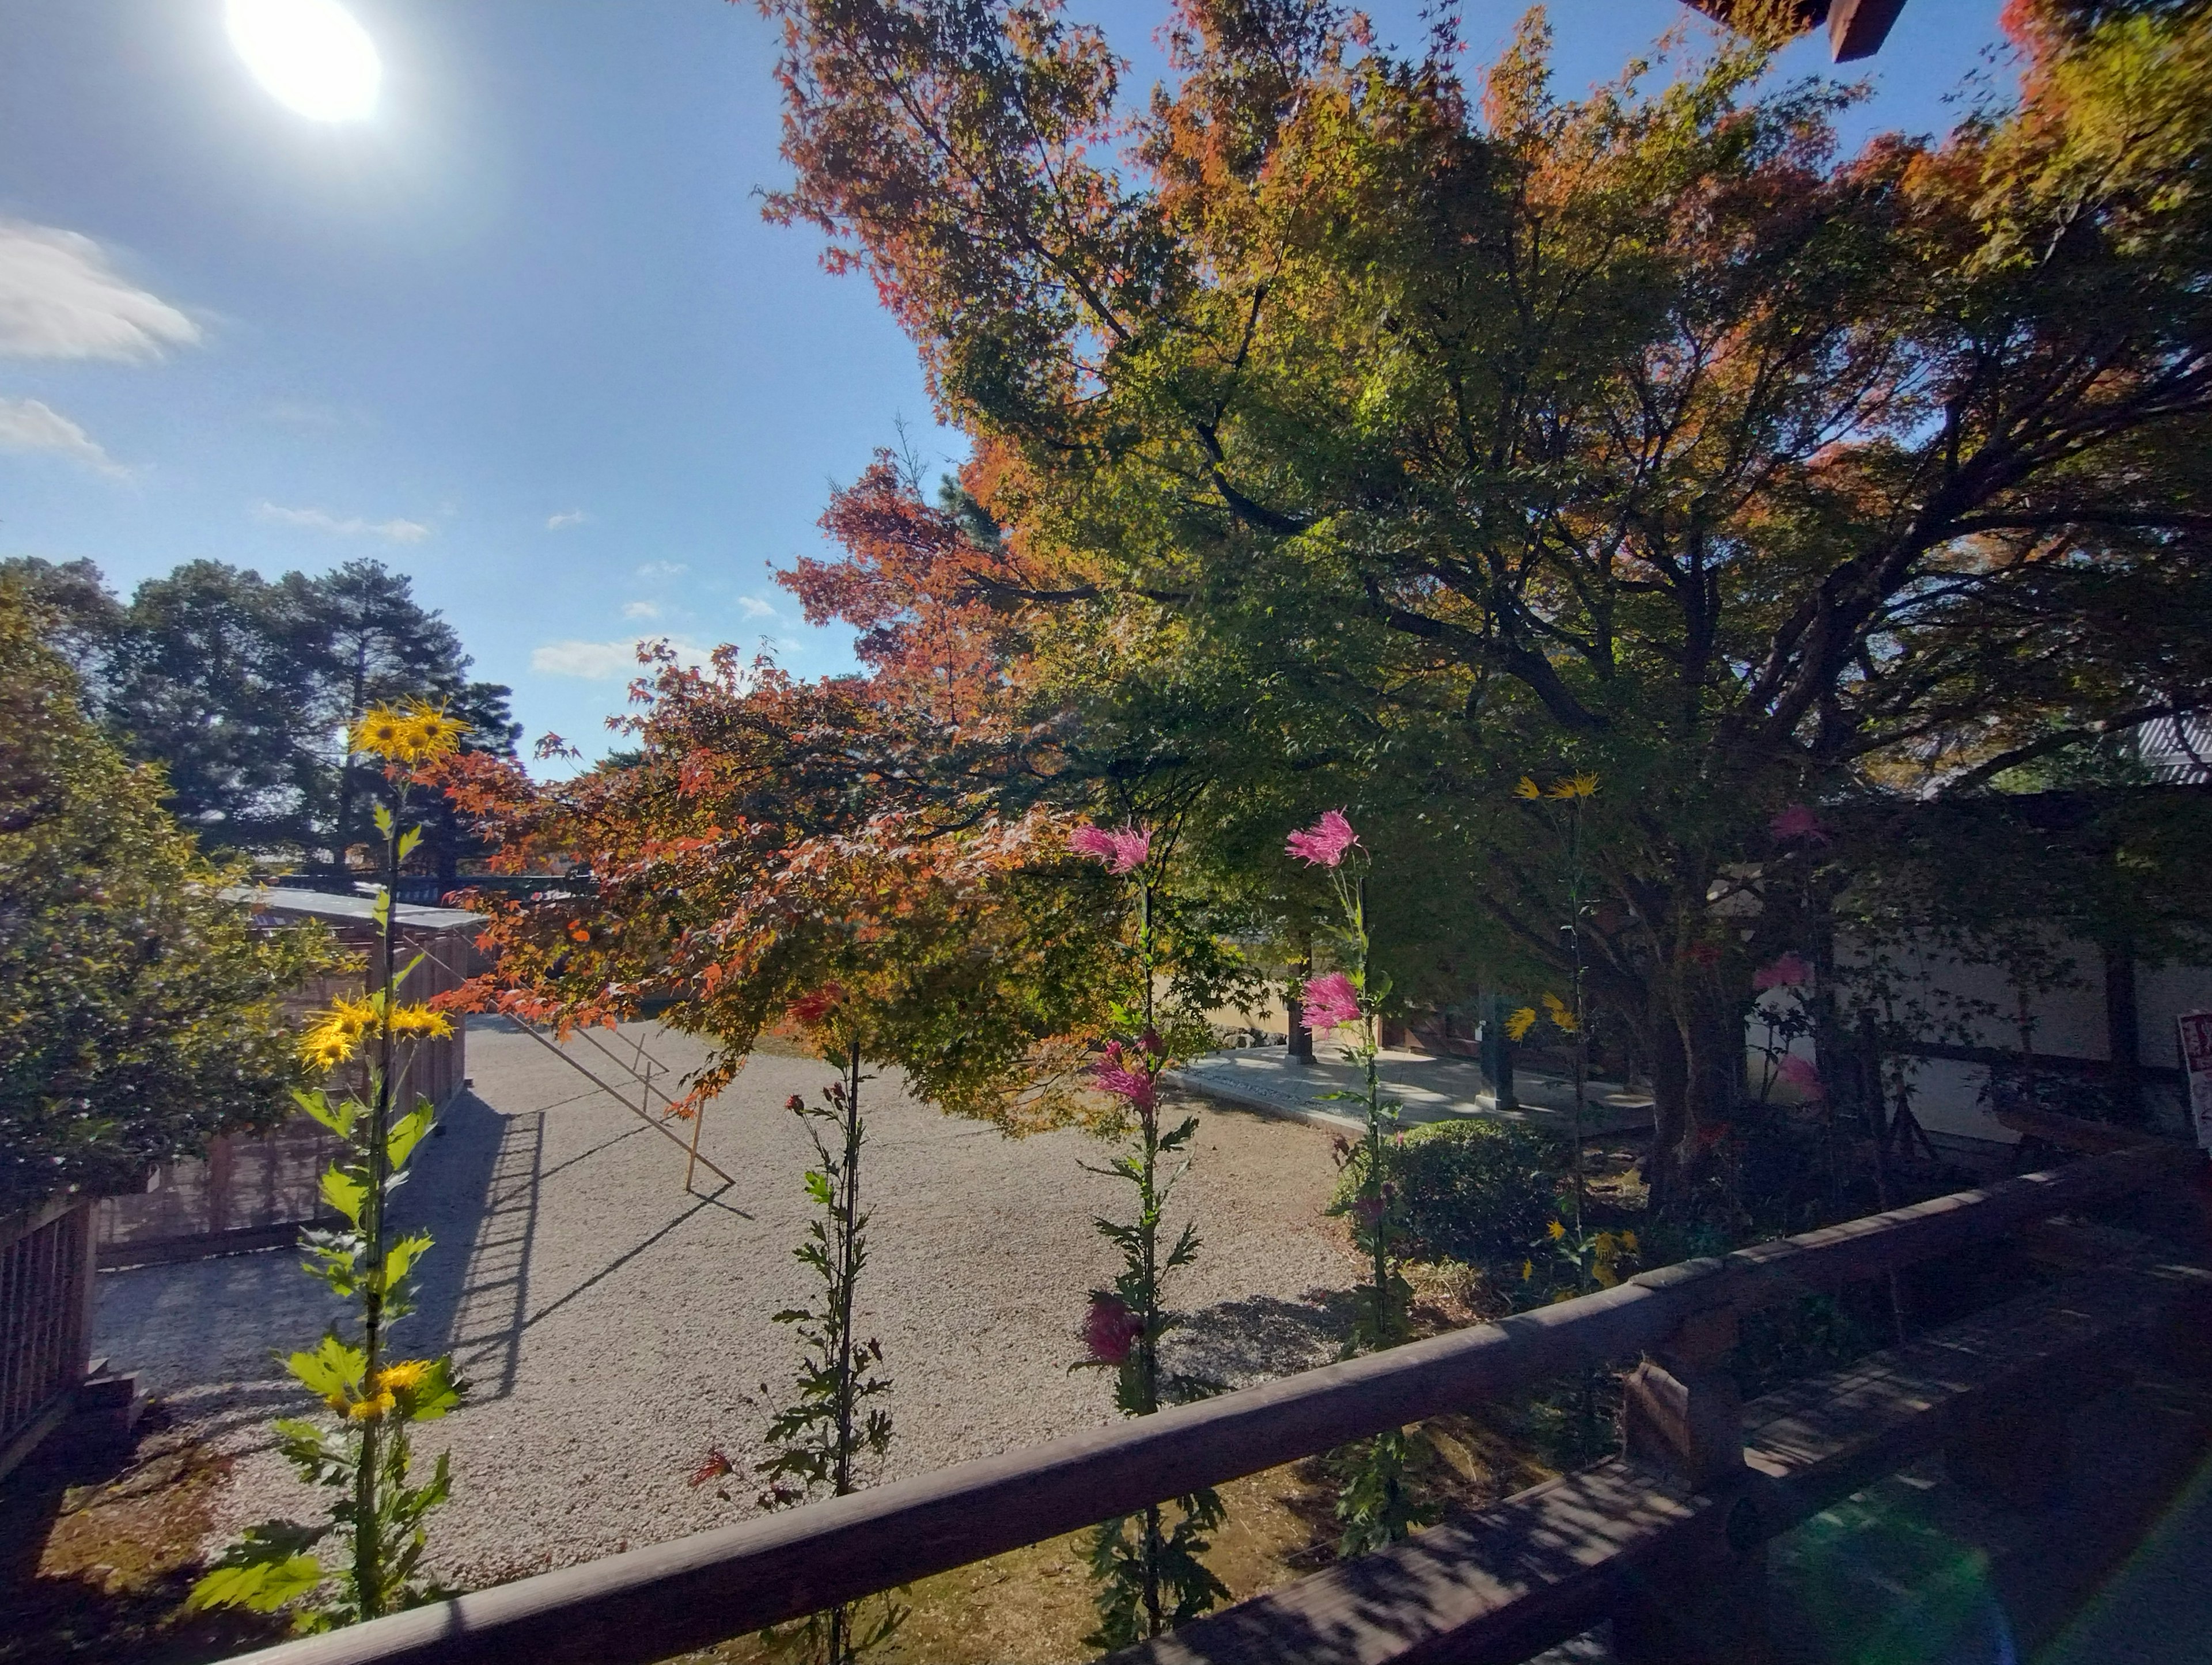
566	519
33	425
663	570
351	526
754	607
59	298
640	609
601	661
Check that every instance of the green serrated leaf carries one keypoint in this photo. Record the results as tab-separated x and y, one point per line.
817	1187
344	1193
402	1255
262	1587
408	841
333	1369
406	1133
339	1118
383	819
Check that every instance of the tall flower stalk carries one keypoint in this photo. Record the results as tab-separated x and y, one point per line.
1376	1506
822	1436
1150	1574
379	1517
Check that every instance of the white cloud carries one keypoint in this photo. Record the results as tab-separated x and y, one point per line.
663	570
600	661
755	607
640	609
32	425
60	299
566	519
351	526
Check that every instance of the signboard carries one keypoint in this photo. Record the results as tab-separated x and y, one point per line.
2197	1060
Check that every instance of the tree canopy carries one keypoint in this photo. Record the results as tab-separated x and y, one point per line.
139	1010
1345	423
240	688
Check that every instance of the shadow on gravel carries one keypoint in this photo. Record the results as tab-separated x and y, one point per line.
479	1198
1262	1336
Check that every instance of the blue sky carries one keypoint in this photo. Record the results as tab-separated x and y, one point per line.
522	333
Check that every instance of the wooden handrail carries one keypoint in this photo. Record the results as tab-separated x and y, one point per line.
647	1604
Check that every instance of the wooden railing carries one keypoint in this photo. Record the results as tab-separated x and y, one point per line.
647	1604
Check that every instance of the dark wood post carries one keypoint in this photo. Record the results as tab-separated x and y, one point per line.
2122	1032
1300	1037
1682	1415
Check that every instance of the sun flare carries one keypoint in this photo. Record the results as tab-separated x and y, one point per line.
310	55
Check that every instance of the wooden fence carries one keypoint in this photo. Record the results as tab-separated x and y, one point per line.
648	1604
256	1190
46	1320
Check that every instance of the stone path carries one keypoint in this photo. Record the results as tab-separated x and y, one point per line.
1428	1088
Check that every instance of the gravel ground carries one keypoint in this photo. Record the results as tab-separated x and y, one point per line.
614	1327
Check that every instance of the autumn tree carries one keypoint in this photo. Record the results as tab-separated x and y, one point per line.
1490	432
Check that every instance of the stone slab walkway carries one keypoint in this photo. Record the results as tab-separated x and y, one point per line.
1429	1088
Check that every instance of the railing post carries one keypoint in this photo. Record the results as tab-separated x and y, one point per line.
1682	1415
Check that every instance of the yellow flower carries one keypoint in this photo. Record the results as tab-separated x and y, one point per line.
1521	1023
369	1409
1555	1230
1528	1270
325	1049
1628	1241
418	734
1562	1019
1579	785
421	1020
1528	788
1604	1275
380	729
408	1373
431	733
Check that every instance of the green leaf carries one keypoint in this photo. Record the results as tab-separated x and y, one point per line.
334	1368
408	841
406	1133
339	1118
817	1187
381	909
263	1570
262	1588
383	819
402	1255
344	1193
429	1399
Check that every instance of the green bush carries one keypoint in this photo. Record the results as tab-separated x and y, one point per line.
1478	1191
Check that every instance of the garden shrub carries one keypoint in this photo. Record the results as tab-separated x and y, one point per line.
1476	1190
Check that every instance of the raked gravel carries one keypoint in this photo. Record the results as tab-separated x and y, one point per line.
616	1328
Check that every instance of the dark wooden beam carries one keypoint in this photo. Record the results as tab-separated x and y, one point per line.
1856	29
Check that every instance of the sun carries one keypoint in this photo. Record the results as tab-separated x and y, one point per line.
310	54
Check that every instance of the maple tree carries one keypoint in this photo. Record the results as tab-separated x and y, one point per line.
767	843
1472	430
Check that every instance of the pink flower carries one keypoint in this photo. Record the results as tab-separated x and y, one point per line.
1329	1001
1325	842
1800	1074
1787	972
1123	850
1798	822
1111	1074
1110	1330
